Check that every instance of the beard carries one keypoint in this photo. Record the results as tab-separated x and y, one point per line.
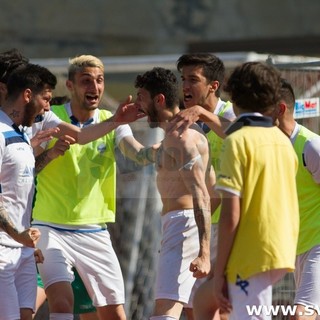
153	116
29	114
153	124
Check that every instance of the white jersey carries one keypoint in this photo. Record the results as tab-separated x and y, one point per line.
16	177
227	114
311	153
49	120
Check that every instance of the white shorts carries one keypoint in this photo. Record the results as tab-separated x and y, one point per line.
254	291
213	254
91	253
18	281
179	247
307	278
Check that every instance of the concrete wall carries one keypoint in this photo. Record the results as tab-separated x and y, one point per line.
63	28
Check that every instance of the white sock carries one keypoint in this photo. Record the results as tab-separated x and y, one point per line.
61	316
161	318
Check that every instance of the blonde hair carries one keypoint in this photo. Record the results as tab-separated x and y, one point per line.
78	63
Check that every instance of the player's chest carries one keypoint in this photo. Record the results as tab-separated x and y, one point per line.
166	160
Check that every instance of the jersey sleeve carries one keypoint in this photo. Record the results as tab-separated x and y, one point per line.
121	132
312	158
229	114
51	120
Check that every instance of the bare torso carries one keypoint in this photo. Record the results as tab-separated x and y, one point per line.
176	176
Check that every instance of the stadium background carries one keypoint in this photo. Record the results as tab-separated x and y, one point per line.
133	36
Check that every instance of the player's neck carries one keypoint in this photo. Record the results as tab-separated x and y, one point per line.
82	114
211	104
15	111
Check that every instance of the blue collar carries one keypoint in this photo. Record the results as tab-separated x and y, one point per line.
76	122
251	121
20	133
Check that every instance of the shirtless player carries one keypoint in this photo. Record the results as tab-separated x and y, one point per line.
183	166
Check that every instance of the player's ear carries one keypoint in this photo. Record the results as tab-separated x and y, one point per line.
214	86
160	99
282	107
69	84
27	95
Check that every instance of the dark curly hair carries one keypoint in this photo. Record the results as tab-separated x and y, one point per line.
160	80
254	86
9	61
31	76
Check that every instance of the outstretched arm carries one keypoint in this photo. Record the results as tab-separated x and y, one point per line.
134	150
125	113
185	118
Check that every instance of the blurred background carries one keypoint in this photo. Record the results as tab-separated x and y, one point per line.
133	36
131	30
64	28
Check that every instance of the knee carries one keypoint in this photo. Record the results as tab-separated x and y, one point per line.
60	305
60	298
116	312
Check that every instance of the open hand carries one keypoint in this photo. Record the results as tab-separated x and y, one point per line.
128	112
43	136
184	119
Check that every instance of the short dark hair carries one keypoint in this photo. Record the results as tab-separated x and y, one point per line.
213	67
287	93
160	80
9	61
30	76
254	86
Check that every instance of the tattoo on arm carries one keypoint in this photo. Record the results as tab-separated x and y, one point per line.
145	155
6	223
203	221
42	160
202	215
